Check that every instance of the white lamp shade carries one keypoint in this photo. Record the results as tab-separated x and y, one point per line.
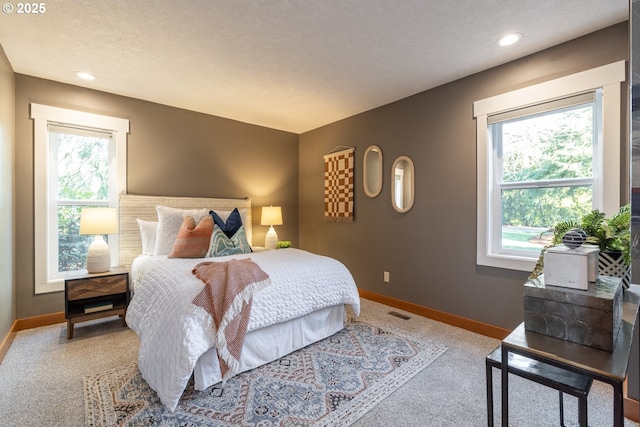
271	215
98	221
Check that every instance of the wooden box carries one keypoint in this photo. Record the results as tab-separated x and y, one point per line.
589	317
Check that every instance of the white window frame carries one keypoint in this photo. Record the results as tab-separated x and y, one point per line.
43	207
608	78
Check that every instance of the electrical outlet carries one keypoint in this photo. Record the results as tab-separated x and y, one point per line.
386	277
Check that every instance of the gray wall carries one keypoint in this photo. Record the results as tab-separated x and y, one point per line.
170	152
430	251
7	125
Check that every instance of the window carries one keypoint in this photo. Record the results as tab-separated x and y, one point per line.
78	177
546	153
543	164
80	161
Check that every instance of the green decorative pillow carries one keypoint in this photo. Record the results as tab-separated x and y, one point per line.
221	245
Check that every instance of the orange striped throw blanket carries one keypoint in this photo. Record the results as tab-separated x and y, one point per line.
227	297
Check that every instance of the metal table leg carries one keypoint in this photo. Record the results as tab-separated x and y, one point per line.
618	412
489	374
505	385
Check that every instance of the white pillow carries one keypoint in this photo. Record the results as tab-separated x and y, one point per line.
169	222
148	235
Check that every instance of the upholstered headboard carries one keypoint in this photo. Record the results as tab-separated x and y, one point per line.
133	206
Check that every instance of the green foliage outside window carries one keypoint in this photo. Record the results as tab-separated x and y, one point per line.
72	246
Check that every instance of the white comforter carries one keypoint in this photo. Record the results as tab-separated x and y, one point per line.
173	337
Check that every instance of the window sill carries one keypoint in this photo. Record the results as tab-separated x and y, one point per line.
509	262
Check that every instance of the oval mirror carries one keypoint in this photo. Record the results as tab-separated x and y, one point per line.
372	178
402	178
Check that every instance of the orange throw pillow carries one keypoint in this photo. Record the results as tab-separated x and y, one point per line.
193	240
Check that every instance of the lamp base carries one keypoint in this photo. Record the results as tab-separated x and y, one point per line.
271	239
98	256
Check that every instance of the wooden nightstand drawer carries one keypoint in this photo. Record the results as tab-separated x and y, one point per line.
96	287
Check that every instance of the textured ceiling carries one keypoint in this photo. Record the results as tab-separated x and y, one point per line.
285	64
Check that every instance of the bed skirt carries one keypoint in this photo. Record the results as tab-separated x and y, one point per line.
273	342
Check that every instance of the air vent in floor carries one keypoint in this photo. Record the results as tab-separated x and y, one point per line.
400	315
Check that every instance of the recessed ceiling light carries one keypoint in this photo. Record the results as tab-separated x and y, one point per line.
509	39
85	76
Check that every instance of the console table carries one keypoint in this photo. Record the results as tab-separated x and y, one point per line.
608	367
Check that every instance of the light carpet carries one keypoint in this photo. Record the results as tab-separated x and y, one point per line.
333	382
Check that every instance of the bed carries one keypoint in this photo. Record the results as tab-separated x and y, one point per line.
303	300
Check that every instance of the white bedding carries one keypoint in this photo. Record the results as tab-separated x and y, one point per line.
173	337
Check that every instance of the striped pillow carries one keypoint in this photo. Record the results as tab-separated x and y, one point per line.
193	240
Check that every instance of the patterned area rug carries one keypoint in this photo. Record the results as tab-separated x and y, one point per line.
330	383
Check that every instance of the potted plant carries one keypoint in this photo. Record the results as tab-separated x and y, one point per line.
612	235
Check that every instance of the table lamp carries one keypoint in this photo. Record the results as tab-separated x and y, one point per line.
271	216
98	221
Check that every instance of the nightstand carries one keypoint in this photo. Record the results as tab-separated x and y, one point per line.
93	296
